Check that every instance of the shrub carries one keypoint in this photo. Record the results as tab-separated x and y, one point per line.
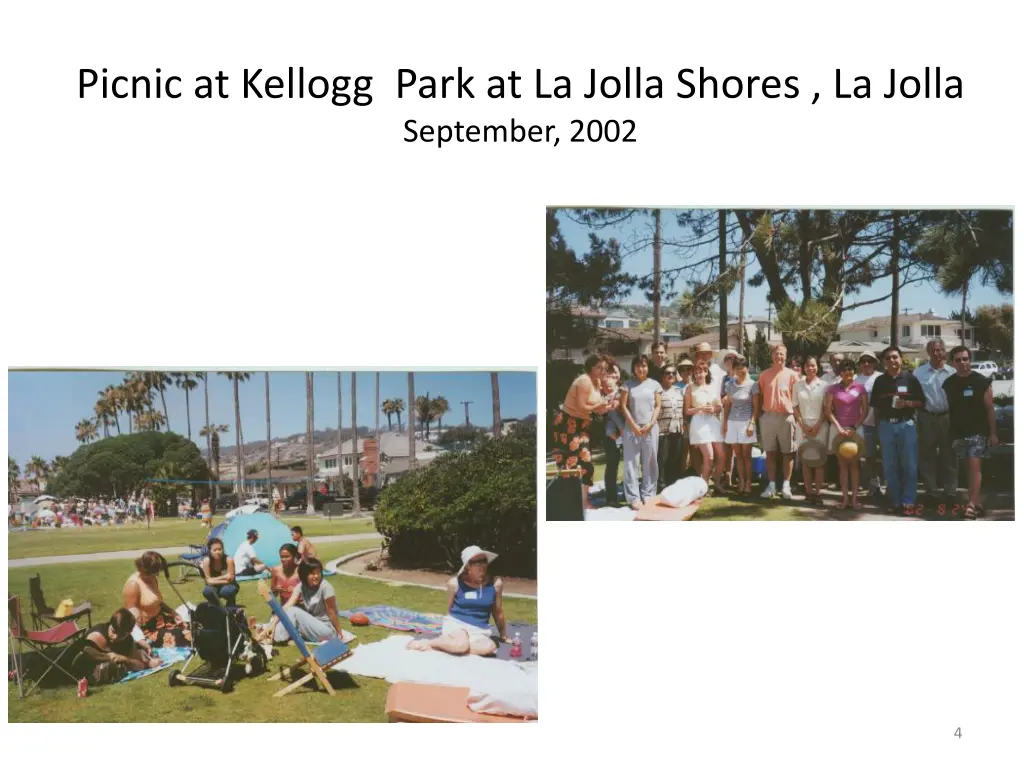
487	496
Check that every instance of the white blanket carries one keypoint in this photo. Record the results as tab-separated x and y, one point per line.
610	513
391	660
683	492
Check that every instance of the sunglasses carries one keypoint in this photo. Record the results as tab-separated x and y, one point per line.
671	372
478	562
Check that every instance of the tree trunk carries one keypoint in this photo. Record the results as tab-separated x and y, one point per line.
355	449
341	480
742	334
376	426
963	314
167	414
188	414
239	457
723	294
657	275
310	506
269	486
412	435
894	339
496	403
209	437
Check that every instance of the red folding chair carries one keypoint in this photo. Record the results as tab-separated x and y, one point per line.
62	637
44	616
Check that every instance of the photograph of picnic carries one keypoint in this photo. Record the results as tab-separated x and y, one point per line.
369	554
779	364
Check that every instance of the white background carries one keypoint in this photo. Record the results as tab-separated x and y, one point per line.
193	233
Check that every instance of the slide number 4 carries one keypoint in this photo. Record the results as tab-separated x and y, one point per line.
957	734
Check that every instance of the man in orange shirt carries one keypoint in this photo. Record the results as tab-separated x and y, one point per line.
778	428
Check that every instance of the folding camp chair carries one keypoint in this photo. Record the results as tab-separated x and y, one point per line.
323	656
63	637
194	556
43	615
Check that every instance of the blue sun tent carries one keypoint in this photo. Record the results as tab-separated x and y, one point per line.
273	533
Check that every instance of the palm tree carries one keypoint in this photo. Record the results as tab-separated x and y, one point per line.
187	381
386	409
13	473
266	382
212	434
355	449
149	421
496	404
85	431
206	400
398	408
310	508
102	411
439	405
137	395
159	380
39	470
58	464
425	414
235	377
110	396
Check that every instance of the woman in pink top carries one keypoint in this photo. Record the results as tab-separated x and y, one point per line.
846	403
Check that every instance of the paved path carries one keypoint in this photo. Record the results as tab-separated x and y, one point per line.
171	552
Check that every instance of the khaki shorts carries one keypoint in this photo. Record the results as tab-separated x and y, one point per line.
778	432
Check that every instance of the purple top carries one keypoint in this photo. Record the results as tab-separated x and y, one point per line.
846	402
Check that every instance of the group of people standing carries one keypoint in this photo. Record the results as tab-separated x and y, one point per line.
705	414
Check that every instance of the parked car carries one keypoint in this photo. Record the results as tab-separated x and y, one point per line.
260	501
298	499
1005	374
227	501
985	368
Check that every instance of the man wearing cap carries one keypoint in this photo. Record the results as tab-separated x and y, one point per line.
935	460
246	561
866	378
778	428
896	397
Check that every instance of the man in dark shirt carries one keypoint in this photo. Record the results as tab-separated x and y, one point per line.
659	356
972	421
895	397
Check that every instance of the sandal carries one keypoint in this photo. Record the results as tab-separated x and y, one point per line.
970	512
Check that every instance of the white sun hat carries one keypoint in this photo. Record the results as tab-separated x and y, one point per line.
474	551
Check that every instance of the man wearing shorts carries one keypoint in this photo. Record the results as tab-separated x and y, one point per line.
972	421
778	428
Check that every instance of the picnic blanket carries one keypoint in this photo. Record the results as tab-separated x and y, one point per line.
400	619
504	652
391	660
168	657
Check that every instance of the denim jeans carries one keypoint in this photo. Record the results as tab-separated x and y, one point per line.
899	458
228	591
612	454
640	453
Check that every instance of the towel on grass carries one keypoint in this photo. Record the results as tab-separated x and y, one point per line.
168	657
399	619
504	652
391	660
604	514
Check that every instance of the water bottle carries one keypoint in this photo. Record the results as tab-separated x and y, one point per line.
517	647
533	647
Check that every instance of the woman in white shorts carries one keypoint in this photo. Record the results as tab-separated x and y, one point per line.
741	408
703	404
473	598
808	411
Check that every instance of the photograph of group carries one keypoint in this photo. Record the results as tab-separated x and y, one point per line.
779	364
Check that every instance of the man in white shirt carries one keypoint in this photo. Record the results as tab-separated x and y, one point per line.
868	373
246	561
936	462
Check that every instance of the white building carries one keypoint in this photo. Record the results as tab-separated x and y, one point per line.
915	331
393	445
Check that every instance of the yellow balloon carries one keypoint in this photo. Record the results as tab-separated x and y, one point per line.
848	450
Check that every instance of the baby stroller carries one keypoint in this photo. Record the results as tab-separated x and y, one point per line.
221	638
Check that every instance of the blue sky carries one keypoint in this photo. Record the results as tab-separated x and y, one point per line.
919	297
43	407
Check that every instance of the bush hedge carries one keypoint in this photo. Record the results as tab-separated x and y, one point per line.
487	496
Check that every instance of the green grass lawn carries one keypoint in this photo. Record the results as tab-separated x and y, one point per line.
163	533
358	699
725	508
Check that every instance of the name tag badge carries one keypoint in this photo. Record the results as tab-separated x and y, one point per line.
968	392
471	595
902	389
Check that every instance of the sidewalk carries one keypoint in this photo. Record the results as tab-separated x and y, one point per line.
169	552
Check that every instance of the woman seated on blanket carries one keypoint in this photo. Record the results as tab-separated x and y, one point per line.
284	578
318	619
160	625
219	572
109	652
473	597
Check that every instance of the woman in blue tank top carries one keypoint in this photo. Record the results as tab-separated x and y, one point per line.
473	598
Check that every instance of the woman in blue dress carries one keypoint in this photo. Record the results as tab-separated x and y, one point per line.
473	599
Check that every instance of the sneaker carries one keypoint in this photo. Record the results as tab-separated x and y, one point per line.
786	492
877	495
768	492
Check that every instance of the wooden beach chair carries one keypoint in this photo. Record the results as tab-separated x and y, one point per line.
317	662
